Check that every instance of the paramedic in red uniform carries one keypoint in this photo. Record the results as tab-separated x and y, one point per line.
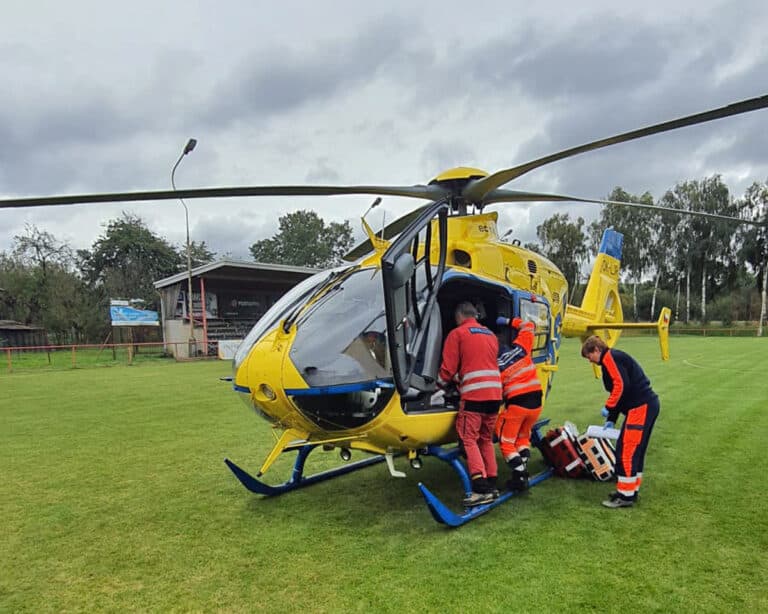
521	390
631	395
469	361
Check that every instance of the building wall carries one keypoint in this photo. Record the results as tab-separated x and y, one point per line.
242	297
177	338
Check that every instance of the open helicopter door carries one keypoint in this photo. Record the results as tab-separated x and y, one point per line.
411	282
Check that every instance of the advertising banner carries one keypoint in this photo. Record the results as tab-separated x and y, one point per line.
123	315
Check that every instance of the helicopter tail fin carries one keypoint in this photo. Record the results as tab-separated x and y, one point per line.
600	312
601	306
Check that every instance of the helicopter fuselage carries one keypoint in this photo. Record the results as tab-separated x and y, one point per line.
318	362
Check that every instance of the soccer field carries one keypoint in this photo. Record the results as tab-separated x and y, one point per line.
114	497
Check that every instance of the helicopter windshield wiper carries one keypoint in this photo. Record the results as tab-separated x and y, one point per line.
324	297
288	322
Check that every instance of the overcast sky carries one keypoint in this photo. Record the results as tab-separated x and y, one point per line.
102	96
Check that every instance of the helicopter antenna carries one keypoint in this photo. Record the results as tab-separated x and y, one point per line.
376	242
383	223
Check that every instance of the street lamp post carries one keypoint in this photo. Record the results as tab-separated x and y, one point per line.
192	343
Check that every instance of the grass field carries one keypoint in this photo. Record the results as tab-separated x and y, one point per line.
114	497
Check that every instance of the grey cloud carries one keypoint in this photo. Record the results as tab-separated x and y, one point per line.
322	173
591	57
659	161
285	80
92	120
53	144
230	235
438	156
414	77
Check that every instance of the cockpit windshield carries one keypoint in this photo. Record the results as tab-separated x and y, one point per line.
341	338
292	299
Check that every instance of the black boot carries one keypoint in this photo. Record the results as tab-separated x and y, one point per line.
493	488
519	480
525	454
481	493
524	480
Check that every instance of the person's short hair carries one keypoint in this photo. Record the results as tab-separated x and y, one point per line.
466	309
591	344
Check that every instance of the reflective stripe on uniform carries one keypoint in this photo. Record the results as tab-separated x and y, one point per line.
476	374
618	382
632	436
627	485
508	390
518	373
480	386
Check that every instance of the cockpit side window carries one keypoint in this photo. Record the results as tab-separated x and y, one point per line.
538	313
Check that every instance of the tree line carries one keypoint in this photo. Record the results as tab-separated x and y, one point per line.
45	282
704	269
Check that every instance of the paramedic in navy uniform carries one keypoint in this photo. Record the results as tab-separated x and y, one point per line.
631	395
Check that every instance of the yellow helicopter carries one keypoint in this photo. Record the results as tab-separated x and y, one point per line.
348	358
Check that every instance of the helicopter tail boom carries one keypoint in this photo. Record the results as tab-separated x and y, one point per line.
661	325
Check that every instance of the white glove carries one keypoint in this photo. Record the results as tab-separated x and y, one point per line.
438	398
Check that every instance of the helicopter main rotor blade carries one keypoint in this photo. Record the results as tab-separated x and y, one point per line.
427	192
390	230
502	196
476	191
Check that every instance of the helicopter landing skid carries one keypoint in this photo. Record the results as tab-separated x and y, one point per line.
297	480
446	516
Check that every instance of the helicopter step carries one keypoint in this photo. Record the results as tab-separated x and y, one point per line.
446	516
298	479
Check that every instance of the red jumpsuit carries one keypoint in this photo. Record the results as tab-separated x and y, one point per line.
522	395
469	360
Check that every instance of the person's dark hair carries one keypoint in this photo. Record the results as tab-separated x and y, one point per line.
466	309
591	344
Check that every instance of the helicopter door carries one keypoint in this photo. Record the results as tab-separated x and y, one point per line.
411	283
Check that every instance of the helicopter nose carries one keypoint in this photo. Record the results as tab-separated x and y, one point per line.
257	396
240	383
240	373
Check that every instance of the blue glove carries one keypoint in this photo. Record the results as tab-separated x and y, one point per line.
502	321
608	424
604	412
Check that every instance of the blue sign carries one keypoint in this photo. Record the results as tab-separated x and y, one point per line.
130	316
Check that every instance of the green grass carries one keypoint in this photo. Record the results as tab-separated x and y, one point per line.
114	497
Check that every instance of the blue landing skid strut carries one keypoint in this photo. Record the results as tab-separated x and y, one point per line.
298	480
440	511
